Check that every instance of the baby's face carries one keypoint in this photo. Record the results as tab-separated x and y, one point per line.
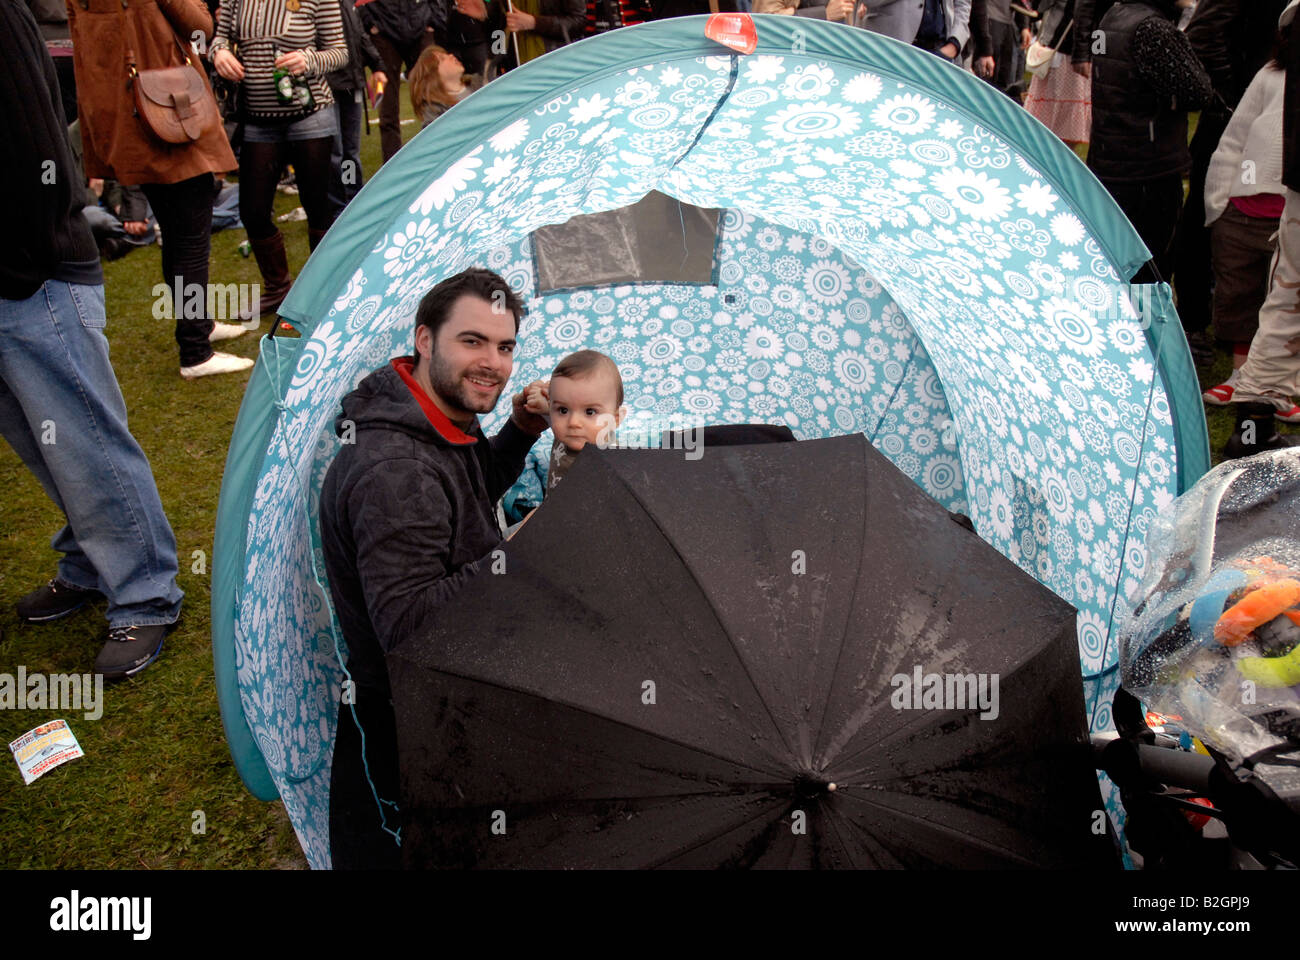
584	410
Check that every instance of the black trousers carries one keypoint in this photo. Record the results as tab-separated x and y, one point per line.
184	214
1191	260
394	54
1152	206
357	839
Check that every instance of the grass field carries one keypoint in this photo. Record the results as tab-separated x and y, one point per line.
157	758
158	755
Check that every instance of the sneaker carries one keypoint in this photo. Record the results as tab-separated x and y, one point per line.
1221	395
130	649
54	600
225	331
217	363
1287	412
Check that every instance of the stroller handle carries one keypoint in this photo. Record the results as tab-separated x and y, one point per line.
1131	763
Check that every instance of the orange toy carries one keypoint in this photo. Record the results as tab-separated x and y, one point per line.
1272	598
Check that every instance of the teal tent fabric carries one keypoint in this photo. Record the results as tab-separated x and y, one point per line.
904	253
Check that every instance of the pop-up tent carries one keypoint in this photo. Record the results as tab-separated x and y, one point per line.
901	251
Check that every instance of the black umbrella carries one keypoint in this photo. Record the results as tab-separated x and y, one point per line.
713	662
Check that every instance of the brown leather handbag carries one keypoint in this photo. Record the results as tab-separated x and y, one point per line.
173	102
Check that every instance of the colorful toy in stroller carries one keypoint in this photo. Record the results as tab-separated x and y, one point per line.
1214	647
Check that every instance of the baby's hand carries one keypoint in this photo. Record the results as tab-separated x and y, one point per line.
537	398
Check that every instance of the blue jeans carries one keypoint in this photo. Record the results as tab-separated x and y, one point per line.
62	411
347	146
103	225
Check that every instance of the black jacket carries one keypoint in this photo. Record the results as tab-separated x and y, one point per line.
406	512
1233	38
361	53
1087	21
1142	88
48	238
403	21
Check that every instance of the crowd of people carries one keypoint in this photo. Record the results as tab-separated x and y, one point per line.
1122	77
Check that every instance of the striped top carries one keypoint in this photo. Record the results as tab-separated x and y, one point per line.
268	28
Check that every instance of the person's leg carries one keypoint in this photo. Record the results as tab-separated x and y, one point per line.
1241	255
390	129
1191	258
1004	60
1272	370
337	171
259	173
310	159
358	840
350	117
74	567
184	212
64	414
1152	207
1270	376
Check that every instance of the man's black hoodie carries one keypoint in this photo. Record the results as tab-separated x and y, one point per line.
406	511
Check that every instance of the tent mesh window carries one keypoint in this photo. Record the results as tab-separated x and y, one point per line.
659	239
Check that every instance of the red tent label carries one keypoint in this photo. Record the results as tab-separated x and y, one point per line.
734	30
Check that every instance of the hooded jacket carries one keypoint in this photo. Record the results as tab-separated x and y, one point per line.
407	511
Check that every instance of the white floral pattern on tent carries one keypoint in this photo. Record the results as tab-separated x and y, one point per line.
986	282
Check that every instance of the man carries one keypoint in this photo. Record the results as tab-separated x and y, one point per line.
407	514
348	84
1144	82
1271	374
60	406
400	30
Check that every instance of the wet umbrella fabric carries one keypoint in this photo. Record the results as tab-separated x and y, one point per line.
676	658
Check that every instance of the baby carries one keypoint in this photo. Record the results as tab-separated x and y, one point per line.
584	400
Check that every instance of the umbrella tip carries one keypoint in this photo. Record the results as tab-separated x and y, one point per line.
831	787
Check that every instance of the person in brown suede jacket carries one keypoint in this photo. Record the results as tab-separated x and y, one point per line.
108	35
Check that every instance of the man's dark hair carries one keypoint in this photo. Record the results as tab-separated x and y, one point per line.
436	305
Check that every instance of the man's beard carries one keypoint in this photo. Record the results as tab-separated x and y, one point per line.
451	387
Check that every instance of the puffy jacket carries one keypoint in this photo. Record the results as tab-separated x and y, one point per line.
406	512
1137	133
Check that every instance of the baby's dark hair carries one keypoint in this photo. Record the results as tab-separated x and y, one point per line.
584	362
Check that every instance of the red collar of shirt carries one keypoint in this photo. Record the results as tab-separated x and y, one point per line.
405	367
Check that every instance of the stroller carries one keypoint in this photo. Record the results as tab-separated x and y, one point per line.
1209	772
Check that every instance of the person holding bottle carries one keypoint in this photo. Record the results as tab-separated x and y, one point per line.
283	50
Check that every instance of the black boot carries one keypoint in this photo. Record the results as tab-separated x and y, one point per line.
273	262
1255	432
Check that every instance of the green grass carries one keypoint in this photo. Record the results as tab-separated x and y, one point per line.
158	753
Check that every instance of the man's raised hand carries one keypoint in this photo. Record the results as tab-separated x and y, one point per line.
530	406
